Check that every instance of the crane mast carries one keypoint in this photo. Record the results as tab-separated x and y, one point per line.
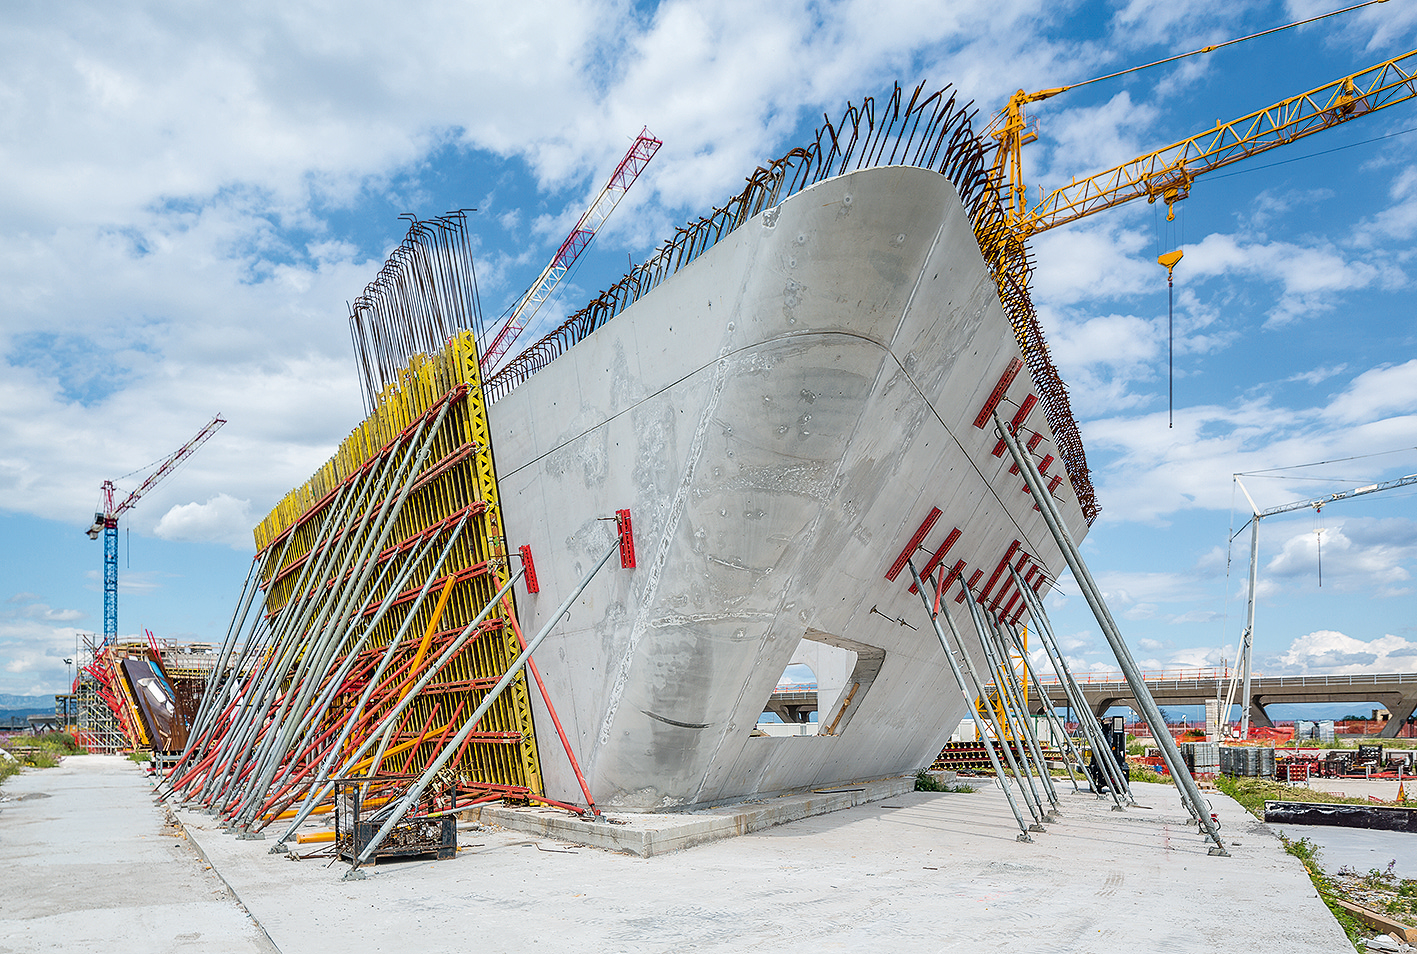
624	176
1244	665
106	521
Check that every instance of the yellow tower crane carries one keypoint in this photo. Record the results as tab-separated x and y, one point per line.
1167	173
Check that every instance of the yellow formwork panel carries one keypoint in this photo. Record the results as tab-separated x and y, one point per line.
456	477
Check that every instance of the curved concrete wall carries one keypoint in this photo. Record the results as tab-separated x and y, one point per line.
779	417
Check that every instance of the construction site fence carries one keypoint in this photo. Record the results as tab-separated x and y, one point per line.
1283	730
919	129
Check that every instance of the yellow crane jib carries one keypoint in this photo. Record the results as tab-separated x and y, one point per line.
1167	173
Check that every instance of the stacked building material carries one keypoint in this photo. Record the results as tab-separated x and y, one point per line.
1246	760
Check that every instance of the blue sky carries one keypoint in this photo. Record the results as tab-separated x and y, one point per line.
191	193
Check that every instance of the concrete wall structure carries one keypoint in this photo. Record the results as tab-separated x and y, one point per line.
779	417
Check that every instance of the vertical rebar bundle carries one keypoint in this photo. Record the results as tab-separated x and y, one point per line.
425	293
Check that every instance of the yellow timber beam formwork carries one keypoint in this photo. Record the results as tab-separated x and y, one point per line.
454	482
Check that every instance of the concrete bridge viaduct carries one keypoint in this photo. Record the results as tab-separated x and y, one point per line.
1397	692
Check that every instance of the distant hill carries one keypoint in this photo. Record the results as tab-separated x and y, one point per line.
26	702
18	709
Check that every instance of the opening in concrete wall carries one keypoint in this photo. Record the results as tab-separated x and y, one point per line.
822	687
794	699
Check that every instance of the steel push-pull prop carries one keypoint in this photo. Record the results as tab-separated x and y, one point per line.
1185	782
624	545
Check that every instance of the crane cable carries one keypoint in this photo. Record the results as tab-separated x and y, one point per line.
1216	46
1170	259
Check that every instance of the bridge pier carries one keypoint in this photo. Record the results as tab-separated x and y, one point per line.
1258	716
1400	711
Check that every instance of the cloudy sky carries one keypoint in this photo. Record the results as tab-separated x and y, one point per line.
191	192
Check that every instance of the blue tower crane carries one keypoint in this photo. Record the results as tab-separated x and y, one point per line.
106	522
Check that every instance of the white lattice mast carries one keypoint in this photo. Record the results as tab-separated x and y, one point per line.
629	169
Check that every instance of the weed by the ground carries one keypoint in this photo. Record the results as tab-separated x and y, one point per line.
1141	772
1308	852
36	751
925	782
63	741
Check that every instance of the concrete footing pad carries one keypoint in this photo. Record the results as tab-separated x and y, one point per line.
644	835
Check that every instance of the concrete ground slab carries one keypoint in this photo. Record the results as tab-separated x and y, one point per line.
917	870
654	834
89	863
1383	788
1358	848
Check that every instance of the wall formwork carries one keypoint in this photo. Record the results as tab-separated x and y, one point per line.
424	450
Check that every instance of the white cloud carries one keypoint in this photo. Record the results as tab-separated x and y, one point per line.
1095	259
34	642
1309	276
1377	392
1326	652
1087	140
1153	471
1399	220
221	519
1357	554
1317	375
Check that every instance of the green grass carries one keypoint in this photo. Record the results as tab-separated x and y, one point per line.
37	751
63	741
925	782
1308	853
1254	792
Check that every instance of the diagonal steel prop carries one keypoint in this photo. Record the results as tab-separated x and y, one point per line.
1055	725
414	793
968	696
1186	783
383	525
1010	680
1011	707
310	722
315	798
352	717
1117	787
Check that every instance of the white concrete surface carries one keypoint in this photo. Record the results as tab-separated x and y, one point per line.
89	864
919	871
1358	848
779	417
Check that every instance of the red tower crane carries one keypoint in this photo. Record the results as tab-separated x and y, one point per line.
629	169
